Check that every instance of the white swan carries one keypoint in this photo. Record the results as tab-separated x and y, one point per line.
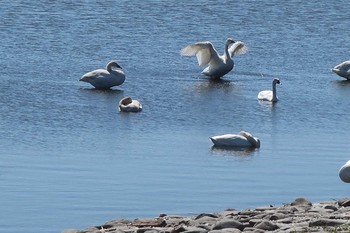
129	105
243	139
113	75
343	69
344	172
206	54
269	95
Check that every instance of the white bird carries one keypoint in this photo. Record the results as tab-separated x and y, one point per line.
243	139
344	172
343	69
113	75
206	54
269	95
129	105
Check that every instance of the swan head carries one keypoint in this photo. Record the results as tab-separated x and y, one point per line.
230	41
276	81
254	141
125	101
129	105
112	64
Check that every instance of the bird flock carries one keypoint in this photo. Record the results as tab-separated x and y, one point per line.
216	66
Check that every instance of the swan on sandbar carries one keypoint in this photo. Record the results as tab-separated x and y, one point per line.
344	172
269	95
112	76
243	139
129	105
343	69
206	54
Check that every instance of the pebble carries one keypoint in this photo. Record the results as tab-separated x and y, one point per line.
298	216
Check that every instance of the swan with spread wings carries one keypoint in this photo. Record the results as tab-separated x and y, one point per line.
217	65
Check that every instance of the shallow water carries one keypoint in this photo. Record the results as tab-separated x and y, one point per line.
69	159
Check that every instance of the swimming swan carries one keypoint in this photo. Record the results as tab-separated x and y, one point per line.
344	172
129	105
113	75
269	95
206	54
343	69
243	139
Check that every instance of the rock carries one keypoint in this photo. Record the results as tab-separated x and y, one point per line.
228	223
71	231
148	230
195	230
253	230
301	201
226	230
277	216
266	225
344	202
158	222
331	207
265	208
205	215
206	220
326	222
299	216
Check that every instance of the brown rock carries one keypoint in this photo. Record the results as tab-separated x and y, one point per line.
157	222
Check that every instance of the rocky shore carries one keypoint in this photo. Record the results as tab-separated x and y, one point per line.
299	216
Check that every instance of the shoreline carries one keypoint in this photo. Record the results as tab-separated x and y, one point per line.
298	216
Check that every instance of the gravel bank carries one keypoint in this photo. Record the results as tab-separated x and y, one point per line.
299	216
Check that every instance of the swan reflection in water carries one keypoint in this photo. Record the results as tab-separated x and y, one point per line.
233	151
205	85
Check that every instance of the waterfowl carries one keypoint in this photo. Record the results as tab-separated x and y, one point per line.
129	105
113	75
270	95
343	69
344	172
218	65
243	139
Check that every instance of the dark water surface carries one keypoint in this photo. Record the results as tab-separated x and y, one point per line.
69	159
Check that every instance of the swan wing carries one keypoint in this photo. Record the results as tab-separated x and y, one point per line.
100	73
237	48
265	95
232	140
204	51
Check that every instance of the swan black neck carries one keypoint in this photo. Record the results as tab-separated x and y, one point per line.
226	53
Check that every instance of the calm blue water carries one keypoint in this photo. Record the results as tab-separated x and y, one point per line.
69	159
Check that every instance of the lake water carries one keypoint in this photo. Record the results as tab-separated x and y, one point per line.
69	159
